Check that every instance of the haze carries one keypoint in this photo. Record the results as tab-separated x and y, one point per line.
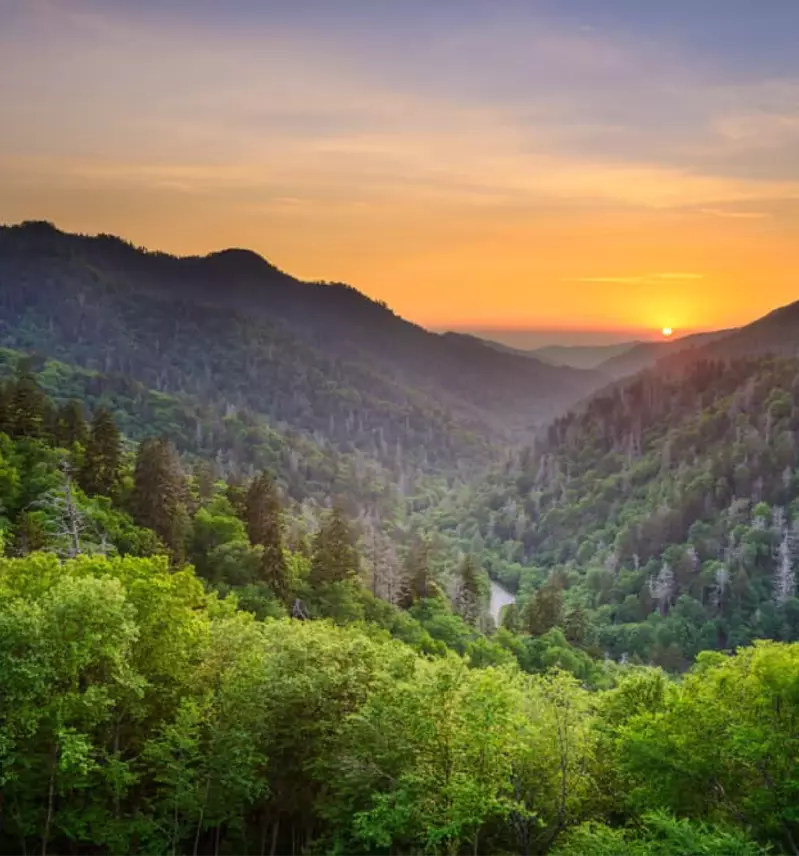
549	166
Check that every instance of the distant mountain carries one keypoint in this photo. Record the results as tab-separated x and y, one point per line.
582	356
646	354
586	357
776	333
231	328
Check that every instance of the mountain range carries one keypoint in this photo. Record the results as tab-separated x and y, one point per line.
233	330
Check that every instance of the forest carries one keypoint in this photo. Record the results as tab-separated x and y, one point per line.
190	665
245	578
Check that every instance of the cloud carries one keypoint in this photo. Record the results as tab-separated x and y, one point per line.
641	279
735	215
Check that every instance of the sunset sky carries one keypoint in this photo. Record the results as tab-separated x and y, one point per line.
618	166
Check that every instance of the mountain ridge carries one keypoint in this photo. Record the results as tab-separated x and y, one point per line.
231	326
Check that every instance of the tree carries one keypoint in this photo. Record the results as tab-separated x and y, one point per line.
335	558
102	460
29	533
421	581
70	429
543	610
467	595
388	579
159	494
69	521
784	577
27	407
265	527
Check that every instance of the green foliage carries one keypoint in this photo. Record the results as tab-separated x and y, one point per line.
140	713
669	505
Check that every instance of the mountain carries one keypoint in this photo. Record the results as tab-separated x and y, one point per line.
582	356
667	507
646	354
231	328
776	333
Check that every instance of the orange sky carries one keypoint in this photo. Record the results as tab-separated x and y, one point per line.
458	208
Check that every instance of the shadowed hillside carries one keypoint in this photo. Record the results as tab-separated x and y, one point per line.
231	327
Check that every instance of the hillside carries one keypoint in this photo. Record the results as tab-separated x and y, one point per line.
646	354
776	333
667	508
582	356
231	329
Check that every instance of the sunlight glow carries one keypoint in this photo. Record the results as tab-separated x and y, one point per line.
667	331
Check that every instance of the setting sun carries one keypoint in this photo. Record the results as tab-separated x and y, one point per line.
667	331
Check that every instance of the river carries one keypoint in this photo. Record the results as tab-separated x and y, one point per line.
500	597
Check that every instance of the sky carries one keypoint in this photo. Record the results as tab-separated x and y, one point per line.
592	171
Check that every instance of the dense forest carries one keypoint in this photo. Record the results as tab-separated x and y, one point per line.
188	669
249	530
667	508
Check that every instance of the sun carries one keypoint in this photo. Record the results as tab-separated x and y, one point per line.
667	331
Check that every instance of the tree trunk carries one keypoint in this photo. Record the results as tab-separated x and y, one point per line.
264	830
50	795
202	816
275	833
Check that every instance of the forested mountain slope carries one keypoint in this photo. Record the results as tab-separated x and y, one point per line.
645	354
775	333
667	507
233	330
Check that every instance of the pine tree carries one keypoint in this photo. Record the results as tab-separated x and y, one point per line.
467	590
265	527
421	583
27	406
204	480
335	558
102	460
543	610
70	427
237	495
159	494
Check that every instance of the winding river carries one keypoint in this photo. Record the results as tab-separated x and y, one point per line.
500	597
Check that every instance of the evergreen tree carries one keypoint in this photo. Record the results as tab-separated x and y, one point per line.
102	460
237	495
543	610
70	427
467	590
421	583
335	558
159	494
27	407
204	479
29	533
264	527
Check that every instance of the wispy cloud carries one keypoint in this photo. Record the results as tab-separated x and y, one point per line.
637	279
736	215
